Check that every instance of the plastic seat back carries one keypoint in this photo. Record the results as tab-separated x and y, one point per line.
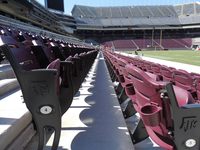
56	50
156	68
184	80
145	87
25	57
39	88
153	110
198	88
167	73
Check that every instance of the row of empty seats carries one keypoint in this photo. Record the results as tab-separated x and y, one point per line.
181	78
49	71
166	99
184	43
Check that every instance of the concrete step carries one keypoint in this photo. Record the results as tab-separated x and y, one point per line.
24	137
8	85
16	127
2	66
6	71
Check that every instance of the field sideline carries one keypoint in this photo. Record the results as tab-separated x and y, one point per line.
182	56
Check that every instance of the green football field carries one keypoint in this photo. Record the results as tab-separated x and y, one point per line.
183	56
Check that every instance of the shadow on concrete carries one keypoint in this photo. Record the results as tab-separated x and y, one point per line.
7	121
106	128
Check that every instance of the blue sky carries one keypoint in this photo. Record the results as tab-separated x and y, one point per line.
70	3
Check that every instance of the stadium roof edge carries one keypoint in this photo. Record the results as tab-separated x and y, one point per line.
115	6
125	28
73	9
197	2
187	3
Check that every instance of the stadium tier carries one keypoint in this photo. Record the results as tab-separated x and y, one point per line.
66	84
145	44
166	21
138	15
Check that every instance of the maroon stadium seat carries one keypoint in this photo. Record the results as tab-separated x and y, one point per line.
184	80
154	112
198	89
39	88
167	73
25	58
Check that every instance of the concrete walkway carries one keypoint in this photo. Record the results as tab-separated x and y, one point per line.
95	121
14	118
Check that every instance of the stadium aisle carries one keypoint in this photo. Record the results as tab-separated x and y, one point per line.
95	120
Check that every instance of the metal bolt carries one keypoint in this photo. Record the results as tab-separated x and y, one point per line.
190	143
170	132
161	95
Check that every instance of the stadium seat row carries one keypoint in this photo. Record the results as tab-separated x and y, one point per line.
26	37
180	78
49	72
168	111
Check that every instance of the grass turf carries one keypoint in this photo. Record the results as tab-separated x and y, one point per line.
183	56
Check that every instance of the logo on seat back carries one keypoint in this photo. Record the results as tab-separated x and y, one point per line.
40	88
188	123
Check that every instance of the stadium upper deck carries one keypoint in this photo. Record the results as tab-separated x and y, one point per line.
137	16
91	22
32	12
123	12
